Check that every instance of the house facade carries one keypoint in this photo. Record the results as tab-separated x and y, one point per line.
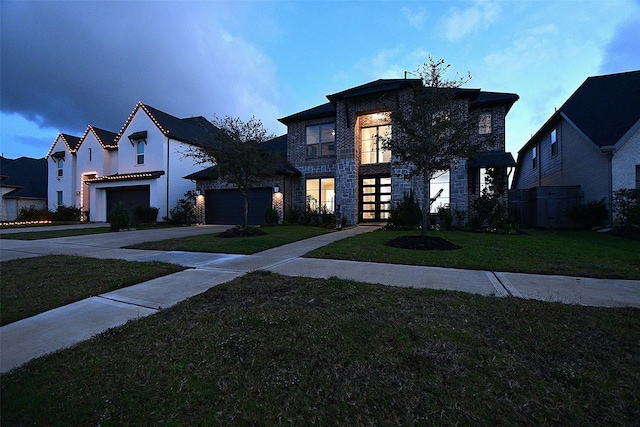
335	164
344	169
142	165
588	149
23	184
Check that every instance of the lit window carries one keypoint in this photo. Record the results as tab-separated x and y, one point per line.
60	166
534	157
59	197
321	194
439	191
484	124
554	142
140	152
372	151
321	140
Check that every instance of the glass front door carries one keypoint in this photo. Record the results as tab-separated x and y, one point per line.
375	198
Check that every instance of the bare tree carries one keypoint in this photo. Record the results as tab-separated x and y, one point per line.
433	129
238	152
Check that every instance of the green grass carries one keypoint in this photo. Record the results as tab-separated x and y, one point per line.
35	285
276	236
572	253
268	350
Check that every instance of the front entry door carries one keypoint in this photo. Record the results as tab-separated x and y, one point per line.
375	198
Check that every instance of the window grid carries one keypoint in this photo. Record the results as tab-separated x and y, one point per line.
321	140
372	151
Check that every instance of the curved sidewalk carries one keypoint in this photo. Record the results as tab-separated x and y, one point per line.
65	326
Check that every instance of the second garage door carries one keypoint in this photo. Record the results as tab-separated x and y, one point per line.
227	206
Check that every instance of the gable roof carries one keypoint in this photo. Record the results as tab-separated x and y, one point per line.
26	175
193	130
71	142
603	108
105	138
477	98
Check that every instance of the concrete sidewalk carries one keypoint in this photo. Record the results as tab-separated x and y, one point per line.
60	328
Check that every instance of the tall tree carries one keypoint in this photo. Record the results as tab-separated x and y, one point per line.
238	152
432	129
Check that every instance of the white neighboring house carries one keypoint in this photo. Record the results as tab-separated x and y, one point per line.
61	170
142	165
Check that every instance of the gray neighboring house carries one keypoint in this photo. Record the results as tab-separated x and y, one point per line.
589	148
334	161
23	182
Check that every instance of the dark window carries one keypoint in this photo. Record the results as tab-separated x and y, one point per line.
321	140
484	124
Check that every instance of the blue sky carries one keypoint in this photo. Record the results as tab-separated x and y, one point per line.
65	64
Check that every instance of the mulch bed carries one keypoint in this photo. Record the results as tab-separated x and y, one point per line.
241	232
421	243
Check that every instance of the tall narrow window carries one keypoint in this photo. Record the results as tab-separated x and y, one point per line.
89	155
554	143
321	140
60	164
140	152
59	197
372	151
534	157
321	194
484	124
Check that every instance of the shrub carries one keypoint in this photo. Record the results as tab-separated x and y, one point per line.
626	205
588	215
407	212
271	215
185	210
445	216
31	213
67	213
119	217
145	214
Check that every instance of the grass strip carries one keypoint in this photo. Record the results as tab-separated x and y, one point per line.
276	236
268	350
571	253
35	285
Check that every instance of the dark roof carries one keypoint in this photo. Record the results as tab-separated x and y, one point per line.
192	130
28	176
73	142
105	138
491	158
276	145
127	177
321	111
477	97
604	108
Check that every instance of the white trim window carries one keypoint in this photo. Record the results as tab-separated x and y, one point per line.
60	166
140	151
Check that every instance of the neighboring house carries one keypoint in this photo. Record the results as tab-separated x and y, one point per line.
336	164
588	149
142	165
23	182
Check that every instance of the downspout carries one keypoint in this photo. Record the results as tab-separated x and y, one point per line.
168	153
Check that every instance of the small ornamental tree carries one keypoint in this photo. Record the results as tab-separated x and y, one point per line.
433	129
241	159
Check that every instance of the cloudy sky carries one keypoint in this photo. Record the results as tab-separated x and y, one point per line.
67	64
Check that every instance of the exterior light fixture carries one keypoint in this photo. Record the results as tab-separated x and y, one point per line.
198	192
276	188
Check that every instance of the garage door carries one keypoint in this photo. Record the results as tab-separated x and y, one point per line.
133	196
227	206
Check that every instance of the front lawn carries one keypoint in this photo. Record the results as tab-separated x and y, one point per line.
35	285
277	235
571	253
269	350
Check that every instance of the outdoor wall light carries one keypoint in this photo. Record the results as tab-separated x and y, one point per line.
198	192
276	188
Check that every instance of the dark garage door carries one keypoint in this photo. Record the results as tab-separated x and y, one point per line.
133	196
227	206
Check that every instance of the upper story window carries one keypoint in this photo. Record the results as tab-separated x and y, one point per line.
140	152
372	151
484	124
554	142
321	140
89	155
60	164
534	157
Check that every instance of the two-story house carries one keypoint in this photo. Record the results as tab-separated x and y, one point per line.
588	149
335	148
335	163
142	165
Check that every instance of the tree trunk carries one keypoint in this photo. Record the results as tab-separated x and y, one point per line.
246	210
426	204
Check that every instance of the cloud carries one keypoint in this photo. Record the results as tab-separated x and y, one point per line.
416	19
622	53
80	63
462	22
